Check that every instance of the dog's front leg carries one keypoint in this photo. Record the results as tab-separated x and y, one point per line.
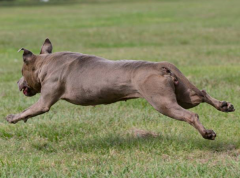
41	106
38	108
34	110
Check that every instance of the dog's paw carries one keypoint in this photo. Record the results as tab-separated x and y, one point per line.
11	119
226	107
210	135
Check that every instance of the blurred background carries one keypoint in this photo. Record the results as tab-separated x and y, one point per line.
200	37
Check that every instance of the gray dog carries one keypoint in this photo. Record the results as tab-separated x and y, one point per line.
90	80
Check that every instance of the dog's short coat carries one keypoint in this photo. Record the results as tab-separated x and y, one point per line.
90	80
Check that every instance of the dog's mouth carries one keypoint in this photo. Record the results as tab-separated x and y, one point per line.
25	90
23	86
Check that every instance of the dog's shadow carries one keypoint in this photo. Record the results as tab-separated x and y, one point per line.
150	141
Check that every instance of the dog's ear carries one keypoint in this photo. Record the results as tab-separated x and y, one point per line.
46	47
27	55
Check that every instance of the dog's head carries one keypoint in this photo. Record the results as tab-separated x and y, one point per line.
29	82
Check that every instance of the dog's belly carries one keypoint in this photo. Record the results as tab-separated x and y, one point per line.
93	97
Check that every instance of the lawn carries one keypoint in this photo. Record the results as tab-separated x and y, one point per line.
200	37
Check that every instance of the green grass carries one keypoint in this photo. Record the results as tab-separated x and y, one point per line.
200	37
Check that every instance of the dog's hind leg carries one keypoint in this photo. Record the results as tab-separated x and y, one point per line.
188	95
159	91
191	98
173	110
219	105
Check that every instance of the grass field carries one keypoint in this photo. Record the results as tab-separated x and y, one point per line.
200	37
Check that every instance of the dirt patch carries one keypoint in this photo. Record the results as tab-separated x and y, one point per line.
2	94
140	133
